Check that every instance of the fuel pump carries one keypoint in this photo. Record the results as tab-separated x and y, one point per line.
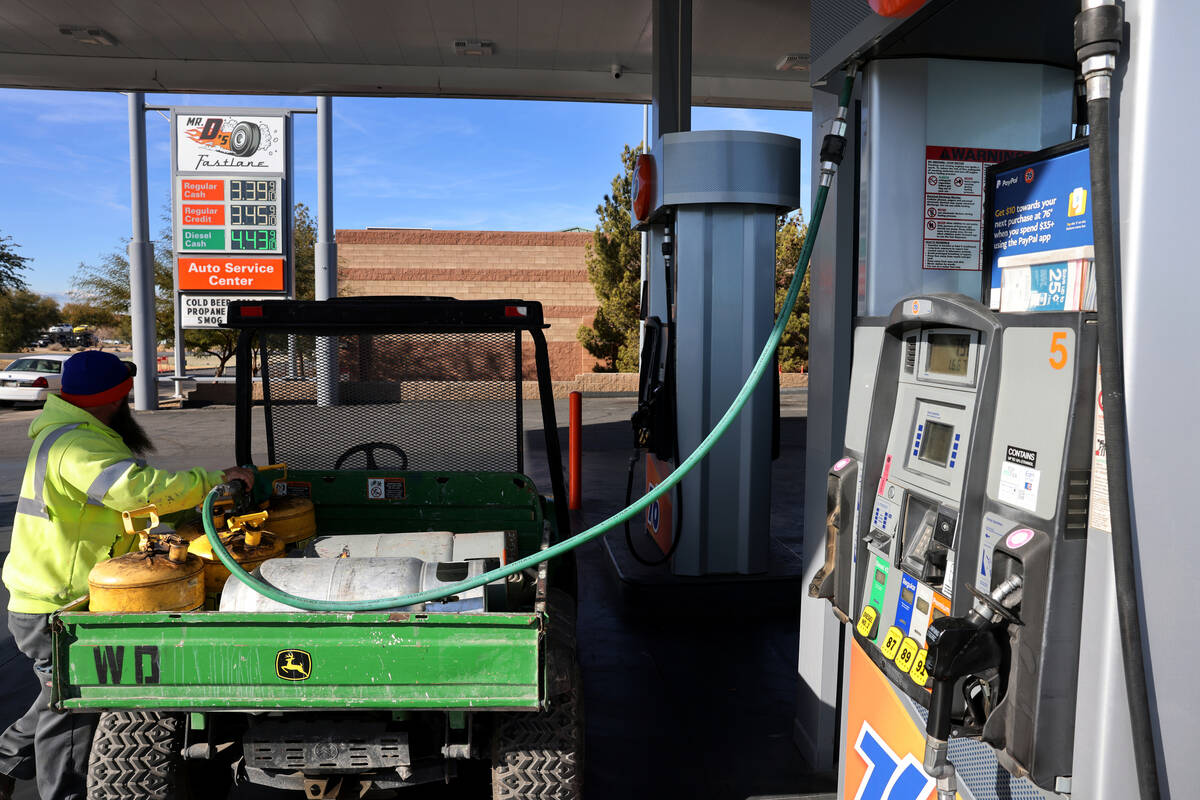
959	558
654	421
709	201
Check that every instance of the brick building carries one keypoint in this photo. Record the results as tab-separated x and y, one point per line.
476	265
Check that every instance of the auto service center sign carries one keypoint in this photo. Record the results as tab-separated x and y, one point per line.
231	203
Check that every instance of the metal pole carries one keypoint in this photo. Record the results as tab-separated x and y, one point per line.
180	354
645	238
325	257
141	264
326	248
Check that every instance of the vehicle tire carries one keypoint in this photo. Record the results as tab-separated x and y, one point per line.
541	755
137	754
244	139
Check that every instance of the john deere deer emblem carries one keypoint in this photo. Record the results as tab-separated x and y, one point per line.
293	665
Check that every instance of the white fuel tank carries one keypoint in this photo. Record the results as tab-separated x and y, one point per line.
425	545
362	579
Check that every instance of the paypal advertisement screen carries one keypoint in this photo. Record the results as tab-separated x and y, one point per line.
1042	234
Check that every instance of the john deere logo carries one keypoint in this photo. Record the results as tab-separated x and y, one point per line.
293	665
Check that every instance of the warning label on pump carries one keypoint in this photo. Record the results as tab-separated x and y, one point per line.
954	205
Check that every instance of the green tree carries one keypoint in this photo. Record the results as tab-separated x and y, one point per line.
790	233
23	315
216	342
104	286
614	269
304	251
87	314
12	265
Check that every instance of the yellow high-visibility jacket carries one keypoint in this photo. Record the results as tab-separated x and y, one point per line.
79	478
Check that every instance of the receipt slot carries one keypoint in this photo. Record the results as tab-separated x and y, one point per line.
956	528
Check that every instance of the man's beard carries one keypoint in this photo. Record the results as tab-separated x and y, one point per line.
133	434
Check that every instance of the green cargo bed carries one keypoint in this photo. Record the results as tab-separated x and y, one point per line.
240	661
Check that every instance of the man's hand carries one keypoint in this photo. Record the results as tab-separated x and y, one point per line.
242	474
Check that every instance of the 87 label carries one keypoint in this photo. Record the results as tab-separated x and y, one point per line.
891	642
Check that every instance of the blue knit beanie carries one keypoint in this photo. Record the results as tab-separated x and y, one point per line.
92	378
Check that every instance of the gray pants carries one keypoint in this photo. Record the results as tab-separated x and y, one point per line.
44	744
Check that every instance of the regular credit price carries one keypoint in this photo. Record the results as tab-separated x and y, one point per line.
253	215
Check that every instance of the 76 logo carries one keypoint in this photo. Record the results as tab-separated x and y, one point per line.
888	776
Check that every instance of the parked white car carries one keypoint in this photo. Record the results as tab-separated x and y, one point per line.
30	379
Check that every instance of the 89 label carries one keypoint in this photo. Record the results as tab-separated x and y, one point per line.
908	652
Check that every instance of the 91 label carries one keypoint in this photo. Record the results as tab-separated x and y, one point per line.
917	673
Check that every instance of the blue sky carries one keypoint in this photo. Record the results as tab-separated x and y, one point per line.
424	163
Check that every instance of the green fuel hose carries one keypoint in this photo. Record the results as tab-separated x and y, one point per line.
760	368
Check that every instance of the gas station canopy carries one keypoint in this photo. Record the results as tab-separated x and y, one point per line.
533	49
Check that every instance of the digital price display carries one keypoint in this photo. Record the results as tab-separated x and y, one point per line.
229	215
253	214
949	353
254	190
255	240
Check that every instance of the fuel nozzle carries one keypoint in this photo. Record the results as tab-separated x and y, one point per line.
958	647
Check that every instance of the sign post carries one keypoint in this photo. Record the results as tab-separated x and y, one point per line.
231	189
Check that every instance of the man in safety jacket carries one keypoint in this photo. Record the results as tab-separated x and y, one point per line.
82	472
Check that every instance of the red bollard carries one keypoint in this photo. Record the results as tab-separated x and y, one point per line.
575	452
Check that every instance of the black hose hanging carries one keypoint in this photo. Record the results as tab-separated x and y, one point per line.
1099	32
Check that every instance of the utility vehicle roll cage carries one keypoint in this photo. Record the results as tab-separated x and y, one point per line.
377	316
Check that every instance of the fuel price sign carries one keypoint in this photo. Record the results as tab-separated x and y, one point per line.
229	215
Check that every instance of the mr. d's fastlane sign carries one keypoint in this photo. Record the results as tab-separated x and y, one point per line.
231	188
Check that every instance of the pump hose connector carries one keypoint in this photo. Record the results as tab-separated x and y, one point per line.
833	146
1098	36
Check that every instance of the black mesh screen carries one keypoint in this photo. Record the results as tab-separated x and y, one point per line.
424	401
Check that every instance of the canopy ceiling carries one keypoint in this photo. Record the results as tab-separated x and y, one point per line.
547	49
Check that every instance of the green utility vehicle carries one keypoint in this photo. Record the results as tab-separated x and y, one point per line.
402	419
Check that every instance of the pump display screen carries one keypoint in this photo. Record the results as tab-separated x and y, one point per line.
935	446
949	353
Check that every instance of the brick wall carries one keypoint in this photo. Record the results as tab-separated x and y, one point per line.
478	265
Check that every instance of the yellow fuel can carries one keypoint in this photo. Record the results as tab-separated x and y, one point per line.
160	576
292	519
247	542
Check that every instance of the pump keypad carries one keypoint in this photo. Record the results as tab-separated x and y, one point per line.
891	642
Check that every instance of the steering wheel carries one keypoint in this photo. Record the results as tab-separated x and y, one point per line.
369	448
